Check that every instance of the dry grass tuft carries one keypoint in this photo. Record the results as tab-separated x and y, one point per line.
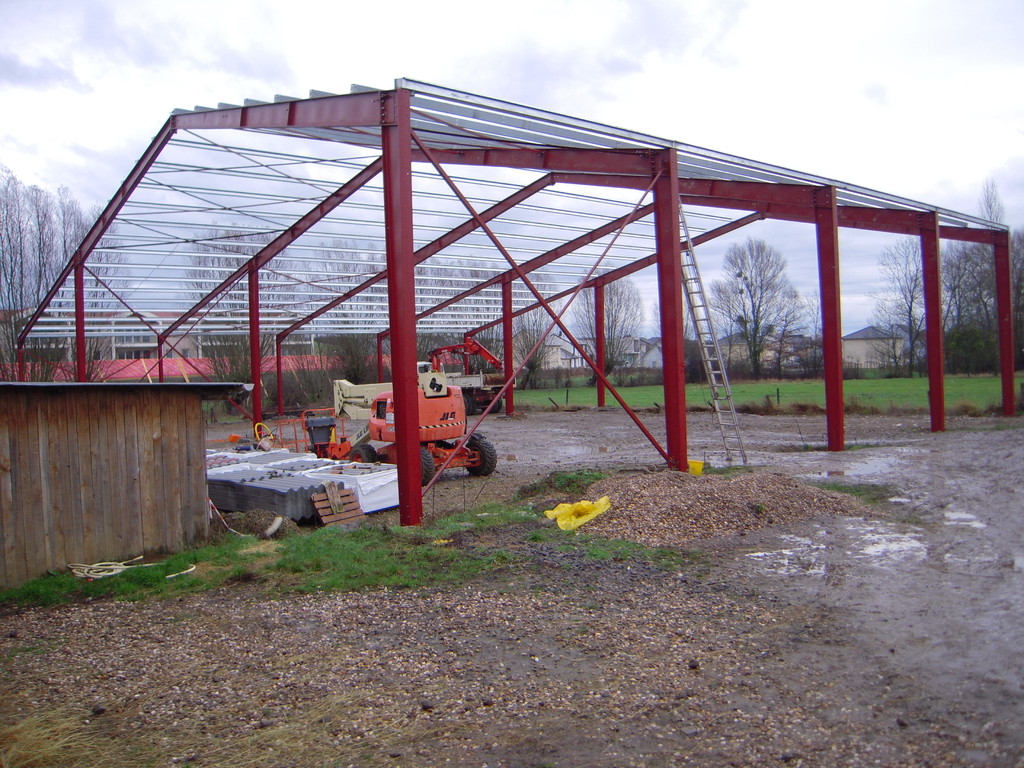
56	739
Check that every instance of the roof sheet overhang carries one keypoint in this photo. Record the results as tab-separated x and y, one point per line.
293	187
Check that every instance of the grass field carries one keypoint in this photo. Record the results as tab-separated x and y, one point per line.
964	393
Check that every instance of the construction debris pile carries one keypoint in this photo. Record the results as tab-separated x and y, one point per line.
668	509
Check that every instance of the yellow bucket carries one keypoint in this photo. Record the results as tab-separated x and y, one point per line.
696	467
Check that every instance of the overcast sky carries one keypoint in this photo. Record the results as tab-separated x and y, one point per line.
917	98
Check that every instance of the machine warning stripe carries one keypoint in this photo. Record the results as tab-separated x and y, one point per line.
446	424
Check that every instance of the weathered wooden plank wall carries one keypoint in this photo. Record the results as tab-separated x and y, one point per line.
99	472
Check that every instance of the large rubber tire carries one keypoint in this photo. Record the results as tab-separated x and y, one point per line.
364	453
426	465
488	455
471	408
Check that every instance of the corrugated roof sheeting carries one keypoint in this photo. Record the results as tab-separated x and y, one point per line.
214	198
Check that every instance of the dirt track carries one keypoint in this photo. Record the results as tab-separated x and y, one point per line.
889	639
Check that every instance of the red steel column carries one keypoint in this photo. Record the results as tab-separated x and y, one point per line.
280	377
396	138
826	221
670	295
80	367
160	359
507	340
933	320
1004	318
255	361
599	351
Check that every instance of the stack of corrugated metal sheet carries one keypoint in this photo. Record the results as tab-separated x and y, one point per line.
283	483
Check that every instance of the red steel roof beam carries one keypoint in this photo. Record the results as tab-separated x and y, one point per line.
971	235
633	162
347	110
755	191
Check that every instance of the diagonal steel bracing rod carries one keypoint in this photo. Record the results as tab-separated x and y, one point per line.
533	289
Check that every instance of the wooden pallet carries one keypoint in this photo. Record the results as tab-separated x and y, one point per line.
337	504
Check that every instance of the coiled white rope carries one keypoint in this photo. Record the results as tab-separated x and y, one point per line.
102	570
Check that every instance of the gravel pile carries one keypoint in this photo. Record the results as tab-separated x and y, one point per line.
667	509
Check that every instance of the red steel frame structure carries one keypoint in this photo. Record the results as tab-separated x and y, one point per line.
416	125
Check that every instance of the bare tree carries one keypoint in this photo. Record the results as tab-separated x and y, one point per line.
623	319
528	328
756	298
787	329
899	310
990	204
809	353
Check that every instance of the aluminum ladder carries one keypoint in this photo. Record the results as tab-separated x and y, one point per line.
710	352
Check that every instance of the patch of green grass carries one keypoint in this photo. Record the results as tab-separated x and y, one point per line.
485	515
869	493
573	483
331	559
135	583
32	649
729	470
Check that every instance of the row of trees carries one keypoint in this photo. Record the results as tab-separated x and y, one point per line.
39	231
969	318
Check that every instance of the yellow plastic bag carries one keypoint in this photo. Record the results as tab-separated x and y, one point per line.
571	516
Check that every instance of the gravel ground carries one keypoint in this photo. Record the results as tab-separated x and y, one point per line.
558	660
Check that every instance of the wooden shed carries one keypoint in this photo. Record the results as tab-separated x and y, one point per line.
94	472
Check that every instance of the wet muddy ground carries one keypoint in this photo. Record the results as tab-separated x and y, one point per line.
933	589
930	592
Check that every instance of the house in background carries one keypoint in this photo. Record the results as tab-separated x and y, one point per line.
559	354
867	348
650	356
